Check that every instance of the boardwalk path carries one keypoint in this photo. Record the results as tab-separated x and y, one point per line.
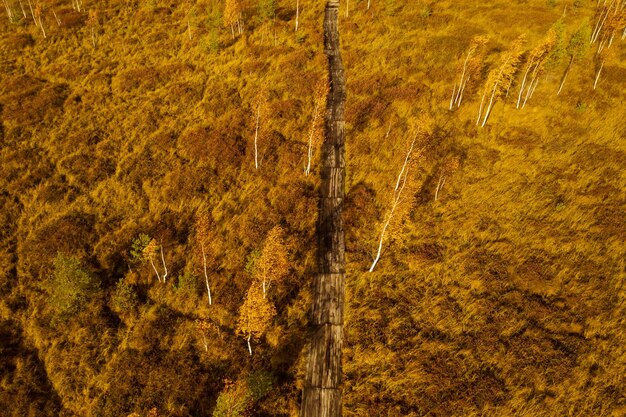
322	394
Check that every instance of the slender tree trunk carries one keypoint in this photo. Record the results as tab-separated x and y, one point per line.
23	11
395	201
43	31
206	276
462	80
531	90
382	239
322	385
521	89
155	270
480	109
307	171
249	345
490	105
369	2
55	17
460	99
188	28
440	184
297	13
453	98
256	137
569	66
7	7
164	266
595	83
32	13
206	346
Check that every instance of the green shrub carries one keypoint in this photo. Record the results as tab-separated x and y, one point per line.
71	285
124	299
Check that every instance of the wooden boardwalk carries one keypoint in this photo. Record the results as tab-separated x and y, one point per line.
322	393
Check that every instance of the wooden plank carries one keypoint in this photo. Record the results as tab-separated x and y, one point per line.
328	292
321	396
322	402
324	367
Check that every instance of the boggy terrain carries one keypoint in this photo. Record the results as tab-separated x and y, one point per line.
159	187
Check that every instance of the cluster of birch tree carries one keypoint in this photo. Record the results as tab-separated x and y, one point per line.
610	22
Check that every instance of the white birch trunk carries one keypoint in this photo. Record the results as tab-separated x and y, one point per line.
155	270
206	276
206	346
256	137
490	106
442	181
164	266
453	98
397	197
460	99
23	11
462	81
249	345
521	90
297	13
307	171
31	12
55	17
531	90
480	109
43	31
595	83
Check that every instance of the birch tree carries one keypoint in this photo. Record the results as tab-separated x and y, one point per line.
39	19
261	113
601	58
500	80
469	69
315	131
255	315
576	48
450	166
609	22
297	14
232	16
203	240
144	249
273	264
404	187
9	10
535	66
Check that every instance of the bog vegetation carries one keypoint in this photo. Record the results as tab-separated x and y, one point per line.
158	194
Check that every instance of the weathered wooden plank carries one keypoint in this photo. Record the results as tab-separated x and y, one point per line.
324	368
332	179
321	396
322	402
328	292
